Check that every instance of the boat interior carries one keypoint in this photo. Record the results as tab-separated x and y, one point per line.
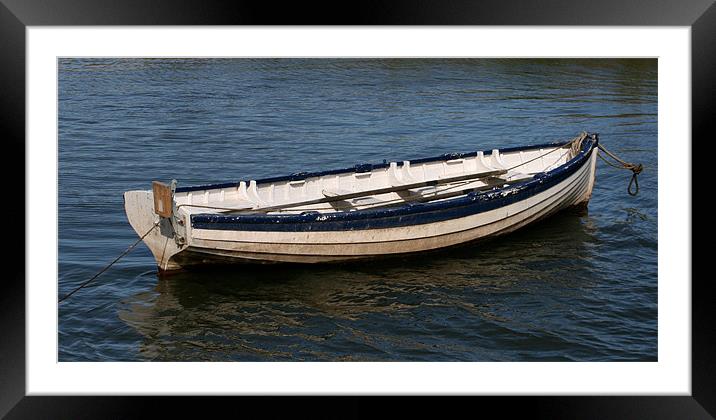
372	186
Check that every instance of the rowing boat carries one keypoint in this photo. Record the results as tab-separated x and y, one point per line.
363	212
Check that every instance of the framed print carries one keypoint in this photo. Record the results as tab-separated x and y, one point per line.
427	266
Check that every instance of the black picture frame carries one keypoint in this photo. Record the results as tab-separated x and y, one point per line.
16	15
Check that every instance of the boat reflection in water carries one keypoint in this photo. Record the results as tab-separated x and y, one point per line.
505	299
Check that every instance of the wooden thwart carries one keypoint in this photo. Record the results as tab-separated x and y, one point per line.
331	197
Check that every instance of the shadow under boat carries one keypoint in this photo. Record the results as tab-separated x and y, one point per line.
238	312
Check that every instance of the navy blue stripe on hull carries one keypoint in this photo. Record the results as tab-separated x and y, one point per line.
412	214
572	192
262	257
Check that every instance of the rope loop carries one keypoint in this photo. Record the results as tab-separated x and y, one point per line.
634	180
635	168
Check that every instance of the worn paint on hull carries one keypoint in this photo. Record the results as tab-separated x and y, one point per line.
216	246
221	246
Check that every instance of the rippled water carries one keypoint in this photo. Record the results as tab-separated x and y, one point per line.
578	286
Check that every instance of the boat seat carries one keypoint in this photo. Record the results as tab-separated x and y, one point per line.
335	192
362	201
358	201
514	176
221	206
424	191
350	203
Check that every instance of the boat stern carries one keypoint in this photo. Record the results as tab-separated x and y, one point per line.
141	213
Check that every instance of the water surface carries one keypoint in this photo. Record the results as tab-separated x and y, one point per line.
575	287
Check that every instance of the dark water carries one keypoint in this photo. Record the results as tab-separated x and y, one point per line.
574	287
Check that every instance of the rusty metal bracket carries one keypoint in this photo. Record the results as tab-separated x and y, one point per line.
165	207
177	221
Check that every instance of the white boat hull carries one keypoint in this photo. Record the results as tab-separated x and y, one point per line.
220	246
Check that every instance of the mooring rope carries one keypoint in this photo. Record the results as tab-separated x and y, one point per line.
575	141
635	168
110	264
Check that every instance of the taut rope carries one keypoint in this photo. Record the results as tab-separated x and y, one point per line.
110	264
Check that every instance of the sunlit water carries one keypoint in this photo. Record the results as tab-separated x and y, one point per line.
578	286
